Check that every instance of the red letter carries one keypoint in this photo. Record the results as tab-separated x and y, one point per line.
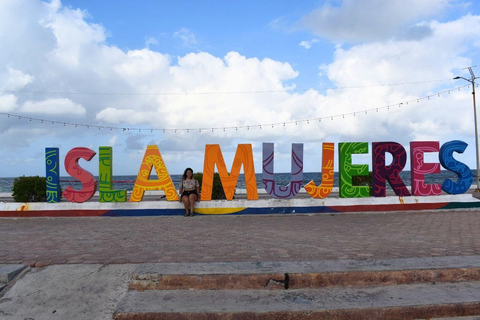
85	177
419	168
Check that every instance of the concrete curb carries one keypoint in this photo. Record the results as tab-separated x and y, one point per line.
300	275
303	204
387	302
9	271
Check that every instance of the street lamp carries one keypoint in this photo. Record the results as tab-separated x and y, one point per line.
472	81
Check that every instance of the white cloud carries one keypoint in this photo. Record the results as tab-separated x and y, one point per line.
8	103
307	44
14	79
53	107
187	37
53	49
130	116
113	140
151	41
369	19
143	63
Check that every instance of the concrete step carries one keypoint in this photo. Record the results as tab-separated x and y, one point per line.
413	301
300	275
8	272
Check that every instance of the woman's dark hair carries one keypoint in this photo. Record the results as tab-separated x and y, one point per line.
185	173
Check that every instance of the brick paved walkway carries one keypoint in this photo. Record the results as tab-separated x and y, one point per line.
239	238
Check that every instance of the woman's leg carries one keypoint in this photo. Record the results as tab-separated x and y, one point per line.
186	203
192	198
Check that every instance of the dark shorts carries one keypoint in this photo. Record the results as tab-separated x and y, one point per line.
187	193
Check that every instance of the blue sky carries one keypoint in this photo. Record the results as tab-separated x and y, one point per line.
254	28
199	65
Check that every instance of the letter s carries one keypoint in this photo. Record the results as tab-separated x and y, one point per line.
463	172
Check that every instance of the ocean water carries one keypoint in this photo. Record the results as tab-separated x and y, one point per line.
127	182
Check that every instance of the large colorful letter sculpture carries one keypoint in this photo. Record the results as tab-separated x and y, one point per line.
381	172
86	178
296	181
52	162
348	170
243	156
105	178
419	168
153	158
325	188
463	172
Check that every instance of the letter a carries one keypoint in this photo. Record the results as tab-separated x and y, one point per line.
153	158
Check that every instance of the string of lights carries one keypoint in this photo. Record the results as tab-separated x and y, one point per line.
236	128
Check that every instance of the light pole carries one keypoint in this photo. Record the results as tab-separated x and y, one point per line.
472	81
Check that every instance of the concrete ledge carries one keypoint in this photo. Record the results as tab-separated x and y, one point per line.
9	271
322	266
301	204
300	275
388	302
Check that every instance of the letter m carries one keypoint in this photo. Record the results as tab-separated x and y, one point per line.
243	156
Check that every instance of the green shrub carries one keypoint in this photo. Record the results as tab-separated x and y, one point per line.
30	189
364	181
217	188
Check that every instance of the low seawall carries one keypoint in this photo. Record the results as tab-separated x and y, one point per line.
155	204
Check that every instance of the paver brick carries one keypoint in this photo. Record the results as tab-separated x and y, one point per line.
240	238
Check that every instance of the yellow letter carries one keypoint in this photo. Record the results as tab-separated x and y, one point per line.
153	158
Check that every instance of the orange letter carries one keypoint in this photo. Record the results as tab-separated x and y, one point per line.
326	186
153	158
244	155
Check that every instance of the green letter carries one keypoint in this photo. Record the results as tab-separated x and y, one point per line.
348	170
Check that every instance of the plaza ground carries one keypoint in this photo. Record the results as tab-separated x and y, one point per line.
81	267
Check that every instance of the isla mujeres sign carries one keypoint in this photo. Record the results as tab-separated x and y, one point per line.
244	157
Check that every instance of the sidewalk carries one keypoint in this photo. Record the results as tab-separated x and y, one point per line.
90	261
43	241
